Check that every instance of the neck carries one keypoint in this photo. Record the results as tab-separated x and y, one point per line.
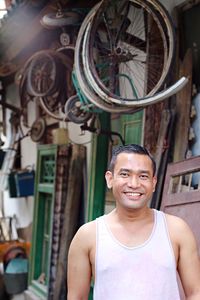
131	215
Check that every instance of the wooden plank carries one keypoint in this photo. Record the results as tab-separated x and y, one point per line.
183	106
185	204
161	137
184	166
162	155
99	159
71	213
177	169
182	198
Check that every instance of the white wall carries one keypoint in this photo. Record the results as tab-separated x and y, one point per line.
170	4
22	208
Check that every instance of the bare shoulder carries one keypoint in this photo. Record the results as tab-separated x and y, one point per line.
87	228
178	228
176	222
85	236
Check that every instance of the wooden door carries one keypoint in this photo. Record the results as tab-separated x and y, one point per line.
131	127
181	195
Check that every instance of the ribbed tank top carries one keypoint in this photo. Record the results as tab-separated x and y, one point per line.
144	272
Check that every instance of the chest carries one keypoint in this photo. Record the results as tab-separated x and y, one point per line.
119	245
150	236
131	236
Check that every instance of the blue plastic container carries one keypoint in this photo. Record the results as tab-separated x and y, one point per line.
16	276
24	183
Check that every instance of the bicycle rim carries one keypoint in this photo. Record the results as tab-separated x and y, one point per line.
54	103
79	70
131	67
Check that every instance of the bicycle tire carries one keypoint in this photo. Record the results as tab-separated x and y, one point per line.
38	129
42	74
55	20
57	116
78	67
55	107
96	78
76	115
88	59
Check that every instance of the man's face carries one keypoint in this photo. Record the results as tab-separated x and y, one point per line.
132	181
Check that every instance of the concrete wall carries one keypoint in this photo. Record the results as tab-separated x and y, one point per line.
22	207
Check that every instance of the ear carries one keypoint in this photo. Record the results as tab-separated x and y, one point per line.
154	183
109	178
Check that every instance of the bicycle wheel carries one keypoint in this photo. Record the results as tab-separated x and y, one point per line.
53	104
75	112
42	74
85	87
60	19
131	45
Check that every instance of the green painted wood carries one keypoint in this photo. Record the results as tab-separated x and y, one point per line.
38	290
45	188
91	293
131	127
99	157
43	215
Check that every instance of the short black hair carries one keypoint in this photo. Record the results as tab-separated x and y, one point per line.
130	148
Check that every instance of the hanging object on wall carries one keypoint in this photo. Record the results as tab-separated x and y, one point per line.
21	183
60	18
38	130
133	68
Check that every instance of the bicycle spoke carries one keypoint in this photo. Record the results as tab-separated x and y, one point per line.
134	54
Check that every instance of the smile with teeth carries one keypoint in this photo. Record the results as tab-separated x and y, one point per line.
133	194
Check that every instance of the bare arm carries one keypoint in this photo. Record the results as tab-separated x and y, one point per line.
189	262
79	267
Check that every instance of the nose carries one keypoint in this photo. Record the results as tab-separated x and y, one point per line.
134	181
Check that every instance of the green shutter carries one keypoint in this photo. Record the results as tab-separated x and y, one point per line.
131	127
99	157
43	218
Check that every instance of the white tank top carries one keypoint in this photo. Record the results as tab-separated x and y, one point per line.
145	272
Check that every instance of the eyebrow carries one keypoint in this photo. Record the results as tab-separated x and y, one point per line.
123	169
138	171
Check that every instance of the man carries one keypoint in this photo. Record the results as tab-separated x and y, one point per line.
133	252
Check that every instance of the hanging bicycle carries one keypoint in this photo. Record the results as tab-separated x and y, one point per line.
122	57
134	41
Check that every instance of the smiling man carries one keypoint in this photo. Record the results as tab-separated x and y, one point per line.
134	252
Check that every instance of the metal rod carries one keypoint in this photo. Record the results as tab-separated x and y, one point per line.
10	106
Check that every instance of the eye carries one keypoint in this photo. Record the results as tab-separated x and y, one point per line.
124	174
144	176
